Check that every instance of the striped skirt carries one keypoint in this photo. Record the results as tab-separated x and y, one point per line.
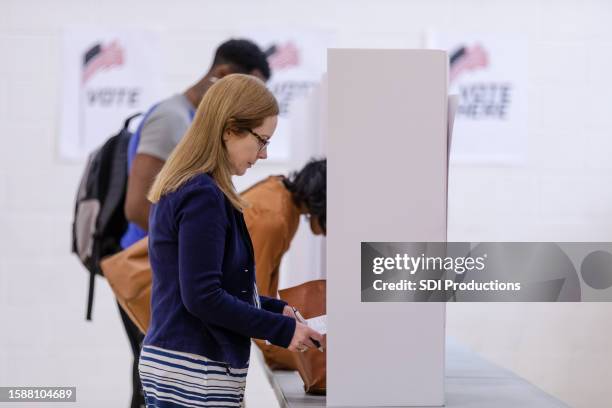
176	379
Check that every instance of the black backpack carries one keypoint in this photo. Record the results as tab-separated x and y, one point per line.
99	221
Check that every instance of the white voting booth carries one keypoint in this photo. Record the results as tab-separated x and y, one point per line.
387	181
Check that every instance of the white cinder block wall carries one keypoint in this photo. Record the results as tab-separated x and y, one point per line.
562	193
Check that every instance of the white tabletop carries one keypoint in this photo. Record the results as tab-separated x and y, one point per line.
471	382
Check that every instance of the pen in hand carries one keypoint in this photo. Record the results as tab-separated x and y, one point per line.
300	318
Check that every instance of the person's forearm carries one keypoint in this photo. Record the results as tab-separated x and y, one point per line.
139	215
142	174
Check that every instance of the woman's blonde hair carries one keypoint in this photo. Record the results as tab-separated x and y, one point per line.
236	102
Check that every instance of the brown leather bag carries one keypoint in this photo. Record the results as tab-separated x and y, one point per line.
310	299
277	358
130	276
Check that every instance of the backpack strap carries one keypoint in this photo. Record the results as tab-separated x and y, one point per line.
90	295
126	124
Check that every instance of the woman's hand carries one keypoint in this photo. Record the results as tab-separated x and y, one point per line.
303	338
292	313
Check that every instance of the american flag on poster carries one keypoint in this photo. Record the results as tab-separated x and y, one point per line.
489	75
283	56
100	57
107	75
464	59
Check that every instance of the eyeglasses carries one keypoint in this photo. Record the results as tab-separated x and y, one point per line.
263	142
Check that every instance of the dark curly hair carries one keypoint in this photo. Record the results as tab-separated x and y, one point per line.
309	187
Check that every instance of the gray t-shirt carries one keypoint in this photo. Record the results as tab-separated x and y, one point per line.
165	127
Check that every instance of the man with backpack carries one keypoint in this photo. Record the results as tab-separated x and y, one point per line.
158	133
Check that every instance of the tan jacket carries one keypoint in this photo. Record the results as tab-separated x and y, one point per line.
272	219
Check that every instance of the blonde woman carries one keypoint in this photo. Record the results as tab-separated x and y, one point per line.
204	302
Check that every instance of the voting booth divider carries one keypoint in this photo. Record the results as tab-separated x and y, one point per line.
387	181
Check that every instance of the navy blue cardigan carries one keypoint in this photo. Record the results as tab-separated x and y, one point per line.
202	298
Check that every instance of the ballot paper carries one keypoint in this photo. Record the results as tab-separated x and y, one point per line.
318	323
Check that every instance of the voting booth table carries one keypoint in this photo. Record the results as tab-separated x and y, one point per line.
470	382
